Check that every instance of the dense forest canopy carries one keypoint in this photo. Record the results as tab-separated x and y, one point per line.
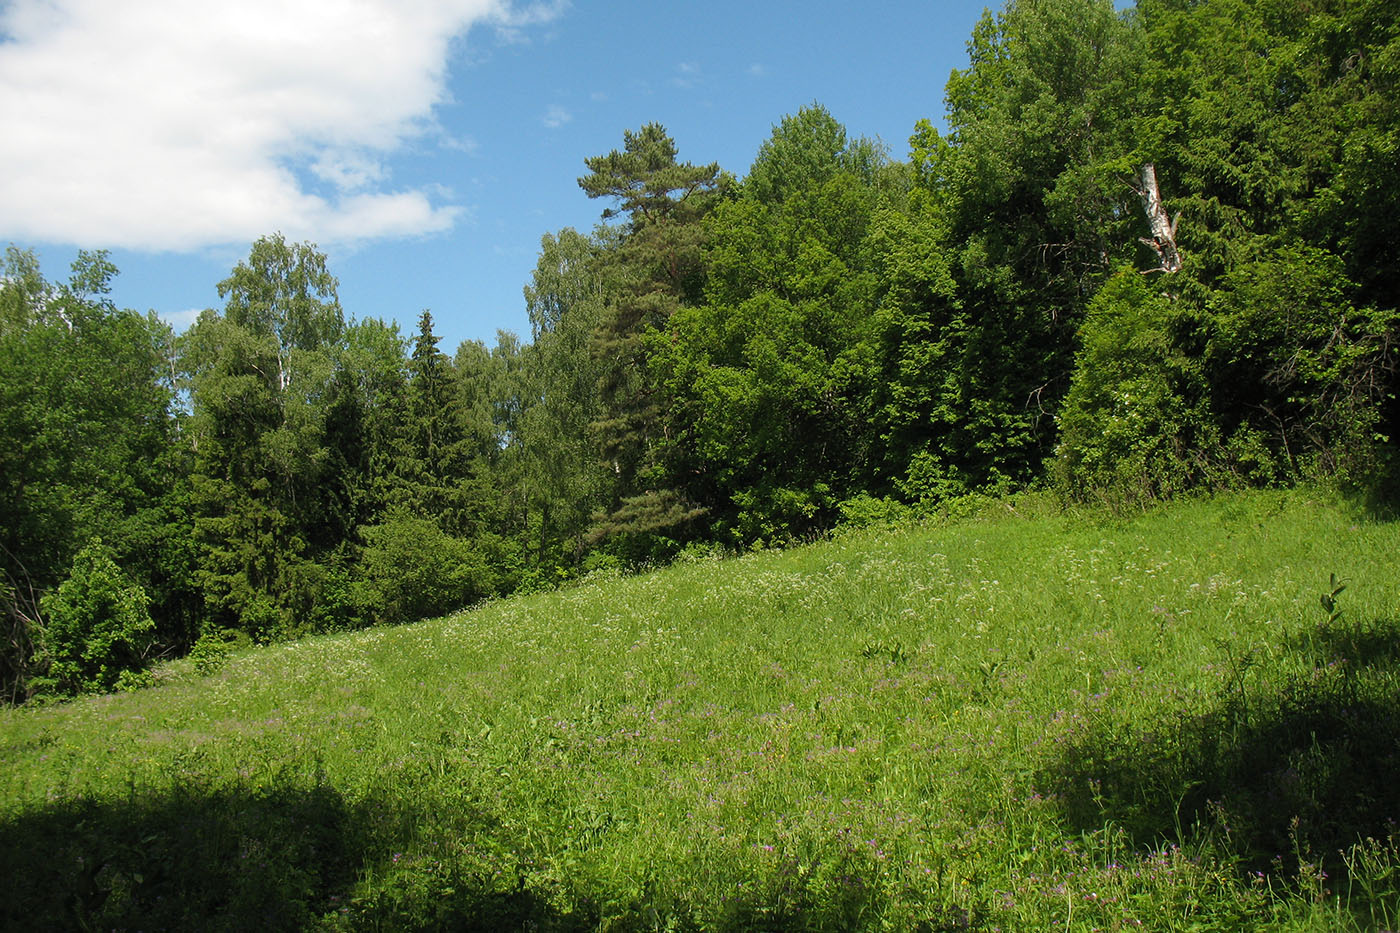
1152	253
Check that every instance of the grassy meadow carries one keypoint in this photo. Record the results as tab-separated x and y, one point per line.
1014	719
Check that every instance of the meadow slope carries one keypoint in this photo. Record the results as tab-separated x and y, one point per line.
1019	719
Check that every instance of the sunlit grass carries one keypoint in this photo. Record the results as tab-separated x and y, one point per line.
1020	720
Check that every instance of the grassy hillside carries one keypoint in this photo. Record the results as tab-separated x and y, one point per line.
1017	720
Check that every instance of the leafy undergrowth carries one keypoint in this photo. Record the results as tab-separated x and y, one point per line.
1018	720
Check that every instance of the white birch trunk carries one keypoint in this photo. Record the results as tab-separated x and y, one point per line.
1163	241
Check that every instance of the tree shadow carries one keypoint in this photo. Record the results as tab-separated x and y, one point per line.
1278	771
1375	643
279	858
182	859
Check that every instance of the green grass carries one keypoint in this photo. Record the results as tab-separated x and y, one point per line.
1020	720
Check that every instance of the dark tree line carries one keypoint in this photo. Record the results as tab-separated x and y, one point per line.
1153	252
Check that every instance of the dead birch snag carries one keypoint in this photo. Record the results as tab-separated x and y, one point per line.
1163	240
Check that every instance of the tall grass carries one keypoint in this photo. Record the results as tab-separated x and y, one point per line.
1023	719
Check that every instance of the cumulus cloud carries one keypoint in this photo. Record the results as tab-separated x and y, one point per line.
166	125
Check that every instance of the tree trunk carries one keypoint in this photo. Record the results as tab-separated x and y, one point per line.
1163	241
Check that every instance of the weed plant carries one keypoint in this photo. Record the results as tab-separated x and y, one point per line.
1019	719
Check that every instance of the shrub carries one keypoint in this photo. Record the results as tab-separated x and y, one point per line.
412	569
866	511
1136	424
930	481
213	648
98	625
772	515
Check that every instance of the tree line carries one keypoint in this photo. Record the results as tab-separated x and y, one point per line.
1151	253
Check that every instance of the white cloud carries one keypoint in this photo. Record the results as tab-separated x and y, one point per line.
556	116
348	171
161	124
180	321
511	24
467	144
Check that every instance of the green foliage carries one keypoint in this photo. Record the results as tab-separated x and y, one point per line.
1274	361
1277	376
280	436
951	408
563	477
657	269
805	151
313	442
1137	423
1301	365
1041	142
285	292
645	179
439	467
1329	599
772	515
213	649
838	337
866	511
768	374
930	480
412	569
97	625
987	269
87	449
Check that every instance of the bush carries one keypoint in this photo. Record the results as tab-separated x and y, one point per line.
770	515
213	648
412	569
866	511
1136	424
98	625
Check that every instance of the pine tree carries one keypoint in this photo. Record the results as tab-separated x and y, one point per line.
658	268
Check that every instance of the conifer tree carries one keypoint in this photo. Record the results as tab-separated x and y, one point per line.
435	455
659	267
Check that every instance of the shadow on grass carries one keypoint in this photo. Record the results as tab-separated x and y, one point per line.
268	859
293	857
181	860
1280	772
1374	644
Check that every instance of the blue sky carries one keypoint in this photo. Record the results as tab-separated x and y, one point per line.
424	145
